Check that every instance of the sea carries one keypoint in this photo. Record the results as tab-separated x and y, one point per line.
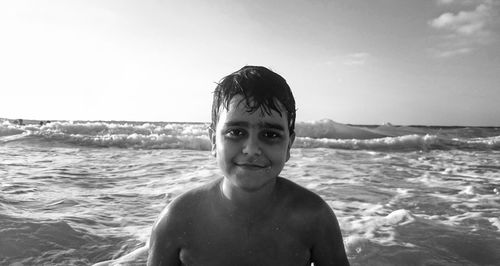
88	192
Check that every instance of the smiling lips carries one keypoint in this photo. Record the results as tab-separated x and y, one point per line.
251	166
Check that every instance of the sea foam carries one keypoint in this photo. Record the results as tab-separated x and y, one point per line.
316	134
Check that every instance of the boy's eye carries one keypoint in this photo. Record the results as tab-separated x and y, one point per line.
234	133
272	135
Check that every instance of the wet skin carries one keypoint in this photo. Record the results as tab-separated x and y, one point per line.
250	216
251	150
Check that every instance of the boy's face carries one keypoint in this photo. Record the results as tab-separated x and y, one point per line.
251	148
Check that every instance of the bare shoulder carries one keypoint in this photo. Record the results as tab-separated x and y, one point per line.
304	208
311	211
169	232
306	204
186	205
300	198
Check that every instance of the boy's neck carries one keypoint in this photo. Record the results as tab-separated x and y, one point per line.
248	201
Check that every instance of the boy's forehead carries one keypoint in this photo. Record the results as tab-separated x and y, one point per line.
238	107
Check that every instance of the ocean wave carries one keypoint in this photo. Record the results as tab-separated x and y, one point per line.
316	134
30	241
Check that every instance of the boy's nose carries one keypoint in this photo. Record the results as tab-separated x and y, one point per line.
252	146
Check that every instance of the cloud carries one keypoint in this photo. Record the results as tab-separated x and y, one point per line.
464	31
445	2
459	2
453	52
356	59
464	22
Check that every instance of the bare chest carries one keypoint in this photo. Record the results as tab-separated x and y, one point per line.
240	241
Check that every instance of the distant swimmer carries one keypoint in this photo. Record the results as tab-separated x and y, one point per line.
251	215
19	122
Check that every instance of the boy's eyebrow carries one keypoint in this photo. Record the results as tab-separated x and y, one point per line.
236	124
271	125
260	124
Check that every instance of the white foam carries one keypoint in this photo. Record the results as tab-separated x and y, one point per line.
354	245
400	217
468	190
316	134
409	142
495	221
372	227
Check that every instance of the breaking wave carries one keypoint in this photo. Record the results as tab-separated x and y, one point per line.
193	136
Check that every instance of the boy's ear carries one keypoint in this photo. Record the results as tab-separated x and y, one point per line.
211	135
290	143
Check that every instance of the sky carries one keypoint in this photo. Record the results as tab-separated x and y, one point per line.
406	62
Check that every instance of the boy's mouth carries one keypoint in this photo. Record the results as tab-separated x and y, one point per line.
251	166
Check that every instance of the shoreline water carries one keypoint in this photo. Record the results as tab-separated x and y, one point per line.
28	121
80	193
315	134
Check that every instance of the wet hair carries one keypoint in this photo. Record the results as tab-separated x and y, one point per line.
261	88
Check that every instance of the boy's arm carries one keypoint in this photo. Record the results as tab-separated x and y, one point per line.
328	246
163	248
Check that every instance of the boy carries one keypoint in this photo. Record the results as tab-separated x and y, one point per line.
250	216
